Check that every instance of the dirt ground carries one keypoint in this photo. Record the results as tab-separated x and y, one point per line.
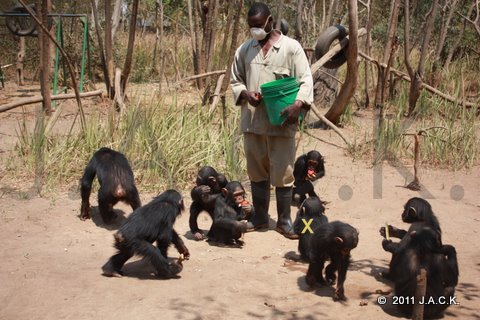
51	259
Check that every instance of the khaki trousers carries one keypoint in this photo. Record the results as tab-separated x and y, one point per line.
270	158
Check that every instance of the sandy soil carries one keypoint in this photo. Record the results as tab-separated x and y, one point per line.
51	260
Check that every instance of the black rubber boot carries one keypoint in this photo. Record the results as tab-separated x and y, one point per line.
261	201
284	222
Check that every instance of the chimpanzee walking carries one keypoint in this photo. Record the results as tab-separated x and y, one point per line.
150	223
116	181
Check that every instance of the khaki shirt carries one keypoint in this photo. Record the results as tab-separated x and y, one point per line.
251	69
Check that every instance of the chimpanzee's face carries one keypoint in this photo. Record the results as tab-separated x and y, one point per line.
238	196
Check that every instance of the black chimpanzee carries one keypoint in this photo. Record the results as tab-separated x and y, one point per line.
116	181
415	210
231	207
308	167
334	241
421	248
150	223
311	214
208	186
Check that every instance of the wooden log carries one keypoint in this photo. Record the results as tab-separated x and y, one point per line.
329	124
32	100
421	290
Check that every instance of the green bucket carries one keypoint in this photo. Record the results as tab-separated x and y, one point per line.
277	95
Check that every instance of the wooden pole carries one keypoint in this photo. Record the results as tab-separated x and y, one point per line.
417	313
32	100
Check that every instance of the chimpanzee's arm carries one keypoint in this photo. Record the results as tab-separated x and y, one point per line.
194	212
390	246
179	244
300	168
342	274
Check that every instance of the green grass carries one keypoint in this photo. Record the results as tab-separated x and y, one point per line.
165	144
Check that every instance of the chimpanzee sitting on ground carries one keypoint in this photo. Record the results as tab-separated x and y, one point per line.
332	241
421	248
150	223
231	207
311	209
208	186
416	210
308	167
116	183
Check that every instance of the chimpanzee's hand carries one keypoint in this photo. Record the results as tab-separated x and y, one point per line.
312	176
253	97
199	235
385	244
391	230
292	112
339	295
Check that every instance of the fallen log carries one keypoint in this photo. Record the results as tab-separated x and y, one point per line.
32	100
405	76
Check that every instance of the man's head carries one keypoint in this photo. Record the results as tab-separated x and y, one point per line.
260	20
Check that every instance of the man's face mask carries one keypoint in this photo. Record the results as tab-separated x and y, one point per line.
259	33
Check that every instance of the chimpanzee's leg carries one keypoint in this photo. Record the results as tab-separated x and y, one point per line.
105	205
160	263
133	199
314	273
114	265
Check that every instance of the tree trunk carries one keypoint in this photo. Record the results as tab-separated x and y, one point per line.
100	46
279	14
20	60
392	30
117	12
298	26
44	7
368	45
348	87
198	19
131	41
458	39
108	46
417	82
233	45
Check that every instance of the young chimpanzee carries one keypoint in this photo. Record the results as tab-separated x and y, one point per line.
208	186
415	210
116	181
231	207
332	241
308	167
312	210
147	224
421	248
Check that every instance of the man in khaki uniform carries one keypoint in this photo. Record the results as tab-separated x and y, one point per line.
270	150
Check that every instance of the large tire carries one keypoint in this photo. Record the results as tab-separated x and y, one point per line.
325	40
284	26
20	25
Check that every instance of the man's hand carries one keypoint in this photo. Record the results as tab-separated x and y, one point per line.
253	97
292	112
